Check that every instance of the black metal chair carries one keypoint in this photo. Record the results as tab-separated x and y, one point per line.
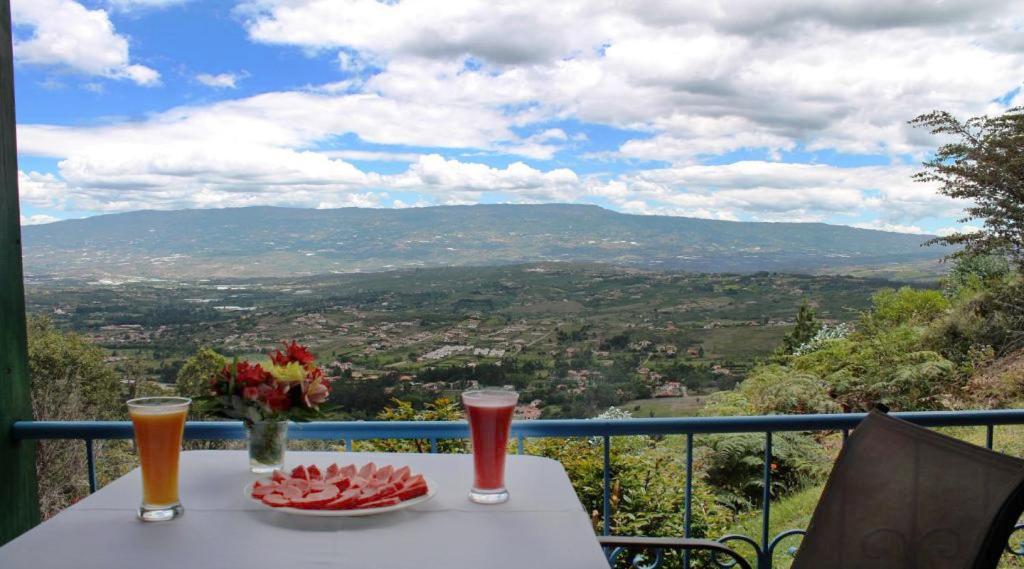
899	497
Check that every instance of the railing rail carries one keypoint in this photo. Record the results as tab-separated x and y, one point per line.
601	430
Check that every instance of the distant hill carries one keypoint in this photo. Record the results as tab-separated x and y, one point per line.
270	241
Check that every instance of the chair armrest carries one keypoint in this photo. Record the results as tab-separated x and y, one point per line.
671	543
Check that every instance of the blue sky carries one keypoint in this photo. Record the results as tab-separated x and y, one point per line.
678	107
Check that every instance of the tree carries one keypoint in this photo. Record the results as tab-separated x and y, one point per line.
806	327
194	376
70	381
984	165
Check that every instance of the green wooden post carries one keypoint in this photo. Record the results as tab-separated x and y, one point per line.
19	503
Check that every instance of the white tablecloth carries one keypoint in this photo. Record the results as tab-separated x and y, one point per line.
542	526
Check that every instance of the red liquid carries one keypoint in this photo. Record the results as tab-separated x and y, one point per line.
489	425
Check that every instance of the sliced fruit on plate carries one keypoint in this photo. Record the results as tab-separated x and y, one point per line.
401	474
384	473
276	500
314	473
345	501
262	490
341	482
367	470
381	503
291	492
339	487
301	483
316	500
332	470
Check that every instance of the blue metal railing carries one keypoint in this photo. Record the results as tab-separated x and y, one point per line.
601	429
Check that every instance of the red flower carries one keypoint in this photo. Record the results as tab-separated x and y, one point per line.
293	353
249	375
250	393
277	400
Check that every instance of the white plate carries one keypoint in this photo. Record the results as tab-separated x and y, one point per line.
431	490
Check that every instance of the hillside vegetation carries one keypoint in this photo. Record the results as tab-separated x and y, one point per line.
267	241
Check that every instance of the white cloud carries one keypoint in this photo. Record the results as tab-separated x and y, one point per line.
463	182
66	33
702	77
221	80
893	227
698	79
945	231
38	219
42	190
775	191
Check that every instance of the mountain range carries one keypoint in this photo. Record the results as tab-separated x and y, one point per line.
274	242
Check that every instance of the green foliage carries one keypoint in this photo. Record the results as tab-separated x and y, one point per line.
889	366
193	379
70	381
734	466
647	493
440	409
991	318
904	306
806	327
973	273
983	165
774	389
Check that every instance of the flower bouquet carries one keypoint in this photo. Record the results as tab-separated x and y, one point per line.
289	387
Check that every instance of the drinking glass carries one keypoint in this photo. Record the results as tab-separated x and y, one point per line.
489	412
159	425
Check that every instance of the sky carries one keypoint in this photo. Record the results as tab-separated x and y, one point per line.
751	110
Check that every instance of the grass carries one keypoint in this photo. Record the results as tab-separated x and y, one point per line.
741	342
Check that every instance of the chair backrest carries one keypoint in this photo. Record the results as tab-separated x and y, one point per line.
904	497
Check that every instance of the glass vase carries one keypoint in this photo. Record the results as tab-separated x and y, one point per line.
267	443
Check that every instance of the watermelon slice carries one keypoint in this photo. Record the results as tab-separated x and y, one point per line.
384	473
300	472
276	500
344	502
314	473
367	470
340	481
349	470
316	485
413	488
381	502
317	500
263	490
291	492
400	474
332	471
278	476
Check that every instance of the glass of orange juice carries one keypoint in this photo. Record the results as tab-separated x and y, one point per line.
159	425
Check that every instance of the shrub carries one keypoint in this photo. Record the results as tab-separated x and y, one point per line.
734	466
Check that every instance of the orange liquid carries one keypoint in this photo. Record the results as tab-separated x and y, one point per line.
158	437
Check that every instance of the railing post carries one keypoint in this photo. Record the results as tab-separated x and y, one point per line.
18	492
90	459
766	555
688	498
607	485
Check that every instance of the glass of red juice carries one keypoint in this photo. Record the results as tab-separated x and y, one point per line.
489	412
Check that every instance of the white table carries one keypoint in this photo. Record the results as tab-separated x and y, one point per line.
543	525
